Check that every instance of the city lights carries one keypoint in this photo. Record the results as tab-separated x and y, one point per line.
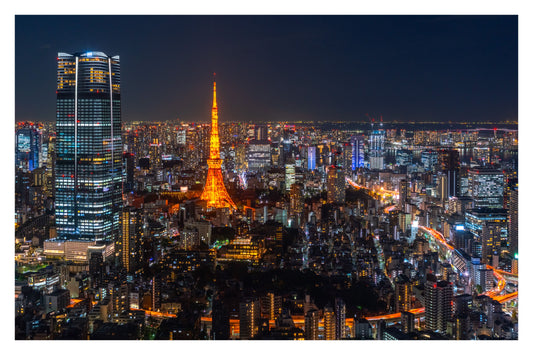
297	215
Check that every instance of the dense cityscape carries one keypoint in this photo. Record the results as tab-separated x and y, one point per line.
372	229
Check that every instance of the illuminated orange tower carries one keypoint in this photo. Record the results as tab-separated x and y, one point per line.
215	192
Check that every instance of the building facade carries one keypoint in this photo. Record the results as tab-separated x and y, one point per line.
88	182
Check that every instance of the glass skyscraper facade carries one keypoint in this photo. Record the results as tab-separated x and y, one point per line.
27	148
88	181
487	187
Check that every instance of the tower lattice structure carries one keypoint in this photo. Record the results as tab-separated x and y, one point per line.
215	192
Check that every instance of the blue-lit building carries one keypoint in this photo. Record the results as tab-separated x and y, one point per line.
27	148
88	181
358	152
311	158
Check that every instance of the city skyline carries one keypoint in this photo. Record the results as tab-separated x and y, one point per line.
287	68
352	225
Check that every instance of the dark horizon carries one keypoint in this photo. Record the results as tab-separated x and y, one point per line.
283	68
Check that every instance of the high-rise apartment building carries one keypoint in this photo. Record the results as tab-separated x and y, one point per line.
340	319
88	180
403	293
271	306
438	301
296	198
128	245
336	186
329	323
311	325
249	315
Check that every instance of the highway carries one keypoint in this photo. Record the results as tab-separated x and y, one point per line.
378	191
500	275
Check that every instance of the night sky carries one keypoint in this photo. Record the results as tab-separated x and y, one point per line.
421	68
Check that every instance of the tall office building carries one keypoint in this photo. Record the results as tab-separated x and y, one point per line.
27	147
311	158
486	187
358	152
88	181
438	301
336	187
258	154
377	149
449	166
403	193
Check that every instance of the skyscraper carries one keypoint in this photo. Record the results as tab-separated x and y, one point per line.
311	158
129	243
487	187
377	149
358	152
88	181
215	192
449	166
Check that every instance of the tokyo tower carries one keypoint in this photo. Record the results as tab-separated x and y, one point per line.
215	192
